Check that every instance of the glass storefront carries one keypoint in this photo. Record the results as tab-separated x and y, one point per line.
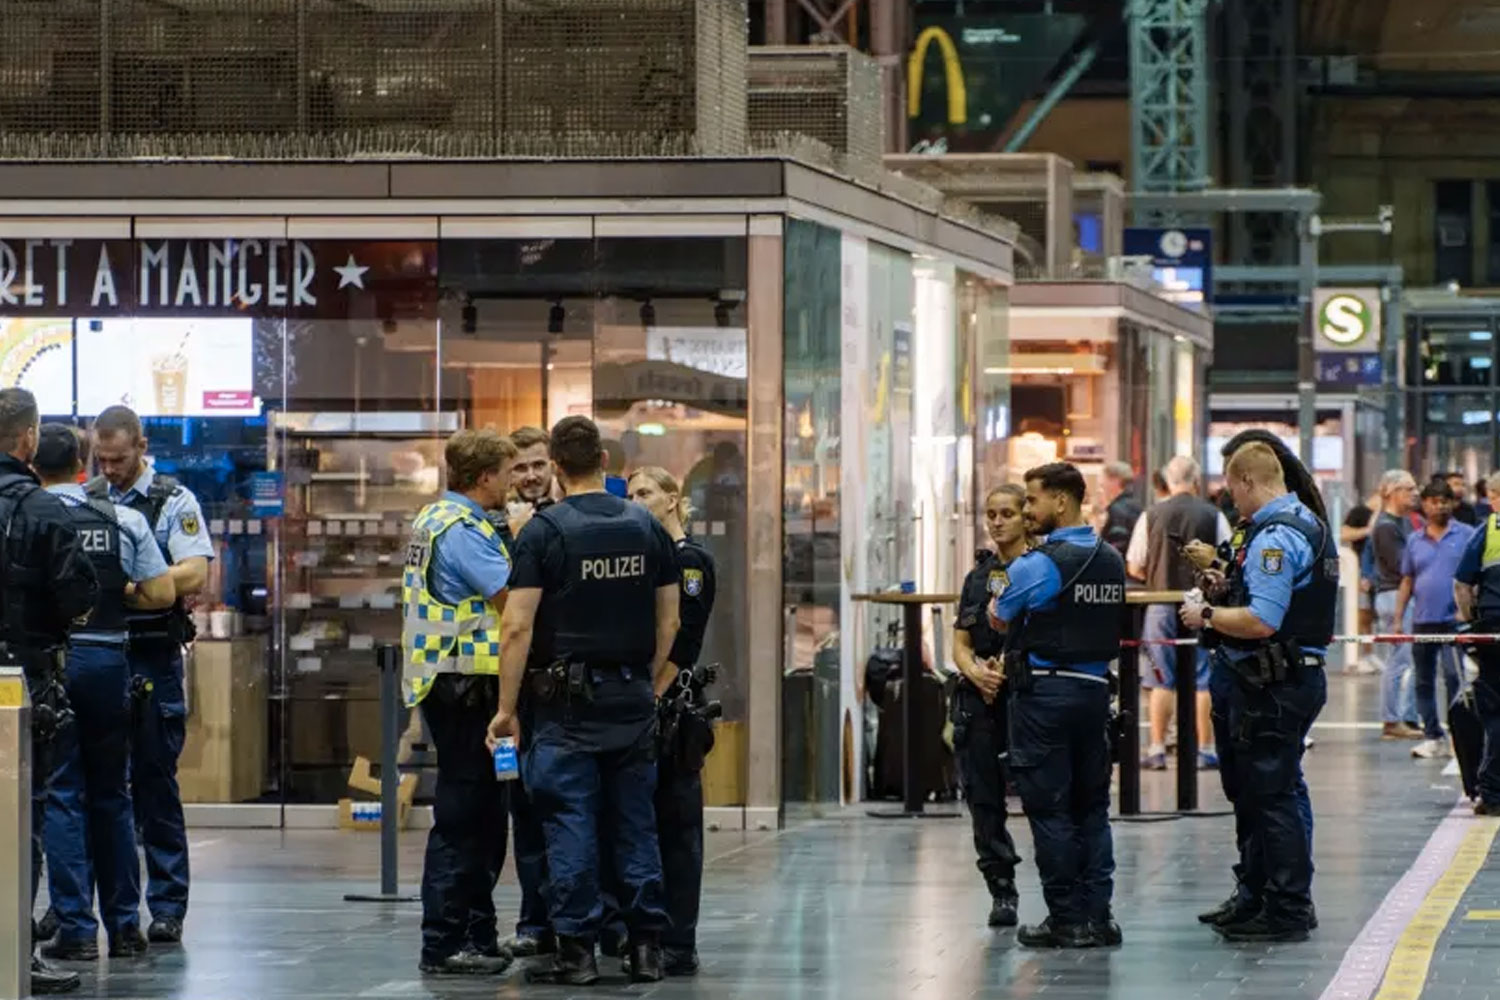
330	372
896	415
301	376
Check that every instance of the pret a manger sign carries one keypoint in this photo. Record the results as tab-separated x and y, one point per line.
57	276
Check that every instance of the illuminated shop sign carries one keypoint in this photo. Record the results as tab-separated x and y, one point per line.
268	277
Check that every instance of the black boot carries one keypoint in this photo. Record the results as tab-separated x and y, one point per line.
1003	909
679	961
1264	929
644	961
1050	934
1232	911
46	979
46	928
526	946
574	964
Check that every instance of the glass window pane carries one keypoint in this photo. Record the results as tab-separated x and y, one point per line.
1456	352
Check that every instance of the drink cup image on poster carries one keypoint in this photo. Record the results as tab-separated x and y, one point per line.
167	367
37	355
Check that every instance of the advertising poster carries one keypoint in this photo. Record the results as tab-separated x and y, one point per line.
37	354
167	367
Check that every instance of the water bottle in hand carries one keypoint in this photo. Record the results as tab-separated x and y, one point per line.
507	765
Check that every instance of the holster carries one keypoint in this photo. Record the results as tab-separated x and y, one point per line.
1018	671
46	680
1272	663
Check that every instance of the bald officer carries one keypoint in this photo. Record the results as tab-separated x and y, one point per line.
156	641
1270	637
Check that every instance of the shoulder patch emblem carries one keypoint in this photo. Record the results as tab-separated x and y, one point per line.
189	524
1271	559
999	580
692	582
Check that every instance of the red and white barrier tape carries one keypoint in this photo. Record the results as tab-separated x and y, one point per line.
1461	638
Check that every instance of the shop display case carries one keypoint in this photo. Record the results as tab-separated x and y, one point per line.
353	484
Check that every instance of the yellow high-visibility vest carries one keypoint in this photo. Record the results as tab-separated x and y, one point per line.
439	638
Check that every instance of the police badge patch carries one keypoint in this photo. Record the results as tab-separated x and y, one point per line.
999	580
1270	560
692	582
190	524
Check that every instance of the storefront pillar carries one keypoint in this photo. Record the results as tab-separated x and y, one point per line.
764	558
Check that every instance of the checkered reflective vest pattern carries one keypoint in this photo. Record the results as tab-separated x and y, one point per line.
440	638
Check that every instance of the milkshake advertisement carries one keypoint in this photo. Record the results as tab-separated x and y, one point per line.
167	367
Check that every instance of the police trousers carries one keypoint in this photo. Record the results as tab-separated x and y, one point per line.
529	846
1487	704
159	732
466	846
1059	753
591	770
90	824
981	741
1266	726
1220	689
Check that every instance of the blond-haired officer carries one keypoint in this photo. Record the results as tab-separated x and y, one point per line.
453	590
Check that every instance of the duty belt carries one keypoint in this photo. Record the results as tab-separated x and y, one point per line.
1063	672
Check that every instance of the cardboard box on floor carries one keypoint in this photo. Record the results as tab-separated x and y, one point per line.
224	752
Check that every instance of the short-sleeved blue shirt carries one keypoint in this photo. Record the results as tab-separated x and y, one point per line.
180	530
140	556
1277	564
1433	564
466	561
1035	583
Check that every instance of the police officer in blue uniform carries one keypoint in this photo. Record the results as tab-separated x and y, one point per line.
453	590
90	828
47	585
981	729
688	735
1213	564
1476	587
156	641
1062	608
1270	637
589	627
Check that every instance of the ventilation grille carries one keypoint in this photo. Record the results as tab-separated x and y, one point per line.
830	95
331	78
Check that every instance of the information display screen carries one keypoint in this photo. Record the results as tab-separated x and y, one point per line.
37	354
167	367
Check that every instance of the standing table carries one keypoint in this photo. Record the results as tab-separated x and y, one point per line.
914	806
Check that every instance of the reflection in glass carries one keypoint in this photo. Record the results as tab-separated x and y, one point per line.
1456	352
812	573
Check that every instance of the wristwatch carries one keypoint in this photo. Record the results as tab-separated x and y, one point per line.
1208	616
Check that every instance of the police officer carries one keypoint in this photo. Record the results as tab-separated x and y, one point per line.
534	485
1062	607
46	584
453	589
679	783
594	599
981	733
1270	637
90	829
156	641
1477	589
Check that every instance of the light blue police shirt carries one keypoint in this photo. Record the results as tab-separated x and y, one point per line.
1035	583
1278	562
465	562
140	556
180	530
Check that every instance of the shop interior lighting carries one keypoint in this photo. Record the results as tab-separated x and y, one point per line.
556	316
1023	370
651	430
1481	335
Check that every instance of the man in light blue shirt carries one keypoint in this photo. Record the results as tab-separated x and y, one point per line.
156	641
1429	565
89	826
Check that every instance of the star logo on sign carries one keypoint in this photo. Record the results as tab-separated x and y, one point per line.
351	274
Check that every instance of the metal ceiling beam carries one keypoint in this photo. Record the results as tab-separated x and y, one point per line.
1054	94
1169	95
1299	201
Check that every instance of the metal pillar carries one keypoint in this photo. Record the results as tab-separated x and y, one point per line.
1169	95
15	835
1050	100
1307	359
